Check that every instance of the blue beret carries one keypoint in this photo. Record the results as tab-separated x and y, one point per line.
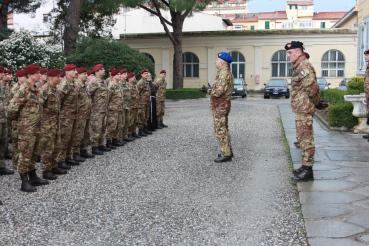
225	56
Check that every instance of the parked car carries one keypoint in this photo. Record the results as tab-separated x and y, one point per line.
277	88
239	88
323	83
343	84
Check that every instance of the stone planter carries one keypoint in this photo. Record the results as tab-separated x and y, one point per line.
360	111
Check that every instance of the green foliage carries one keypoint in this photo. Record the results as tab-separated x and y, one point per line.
111	53
185	93
340	114
333	96
356	84
5	33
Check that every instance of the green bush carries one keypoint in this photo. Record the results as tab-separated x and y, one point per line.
356	84
185	93
333	96
111	53
341	115
5	33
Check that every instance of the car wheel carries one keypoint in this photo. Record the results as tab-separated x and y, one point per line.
266	97
288	96
243	96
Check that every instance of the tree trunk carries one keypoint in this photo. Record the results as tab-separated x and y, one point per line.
177	21
3	16
72	21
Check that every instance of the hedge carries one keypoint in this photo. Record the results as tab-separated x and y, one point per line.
185	93
341	115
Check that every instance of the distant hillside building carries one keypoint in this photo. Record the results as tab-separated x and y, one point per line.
229	7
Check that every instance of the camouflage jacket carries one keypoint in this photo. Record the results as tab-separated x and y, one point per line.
50	104
99	92
2	104
14	90
127	97
116	96
68	99
135	100
161	86
143	91
305	89
25	108
84	100
366	82
223	85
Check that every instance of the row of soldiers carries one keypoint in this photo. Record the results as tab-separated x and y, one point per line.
55	116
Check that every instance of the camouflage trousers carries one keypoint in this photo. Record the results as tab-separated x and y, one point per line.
46	144
78	134
305	136
63	147
160	110
126	123
86	136
97	129
27	146
2	144
132	120
15	151
220	119
112	124
141	117
121	120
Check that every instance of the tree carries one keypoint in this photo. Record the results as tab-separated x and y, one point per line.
20	6
179	11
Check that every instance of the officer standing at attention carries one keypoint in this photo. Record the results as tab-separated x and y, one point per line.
304	97
220	100
366	84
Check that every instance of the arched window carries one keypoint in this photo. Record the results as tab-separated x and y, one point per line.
281	66
238	65
333	64
150	57
190	65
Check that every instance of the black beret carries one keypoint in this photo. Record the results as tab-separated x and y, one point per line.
294	45
366	52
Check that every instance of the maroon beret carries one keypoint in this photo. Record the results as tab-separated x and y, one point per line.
69	67
81	70
144	71
53	72
43	70
89	72
124	70
2	69
131	75
21	73
8	71
97	68
114	71
32	69
163	71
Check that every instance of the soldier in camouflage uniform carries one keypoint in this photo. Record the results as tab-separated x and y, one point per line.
127	100
144	94
50	125
115	109
304	97
366	84
7	78
25	108
220	98
134	104
68	94
83	115
161	86
3	125
99	93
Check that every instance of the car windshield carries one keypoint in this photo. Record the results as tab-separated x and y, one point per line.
276	82
238	81
322	81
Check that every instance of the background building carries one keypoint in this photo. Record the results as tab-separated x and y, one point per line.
363	33
258	55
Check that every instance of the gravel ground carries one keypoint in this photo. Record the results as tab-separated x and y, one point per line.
166	190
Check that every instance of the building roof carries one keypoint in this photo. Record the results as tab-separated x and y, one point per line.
353	12
276	15
301	3
328	15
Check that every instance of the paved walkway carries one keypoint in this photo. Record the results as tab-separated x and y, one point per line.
336	205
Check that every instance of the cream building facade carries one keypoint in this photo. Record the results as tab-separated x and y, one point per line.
363	33
258	55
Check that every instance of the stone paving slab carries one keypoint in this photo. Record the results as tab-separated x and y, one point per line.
335	206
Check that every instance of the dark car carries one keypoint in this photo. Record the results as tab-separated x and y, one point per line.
277	88
323	83
239	88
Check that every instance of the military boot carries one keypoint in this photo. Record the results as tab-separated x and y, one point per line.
6	171
71	162
104	148
298	170
160	126
297	144
85	154
63	165
49	175
130	137
222	158
134	134
306	174
163	125
110	145
59	171
366	136
78	158
97	151
26	186
35	180
142	133
147	131
1	203
117	143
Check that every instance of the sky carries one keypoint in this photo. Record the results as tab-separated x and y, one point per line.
320	5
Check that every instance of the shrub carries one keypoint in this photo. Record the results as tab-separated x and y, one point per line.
111	53
333	96
356	84
22	49
186	93
341	115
